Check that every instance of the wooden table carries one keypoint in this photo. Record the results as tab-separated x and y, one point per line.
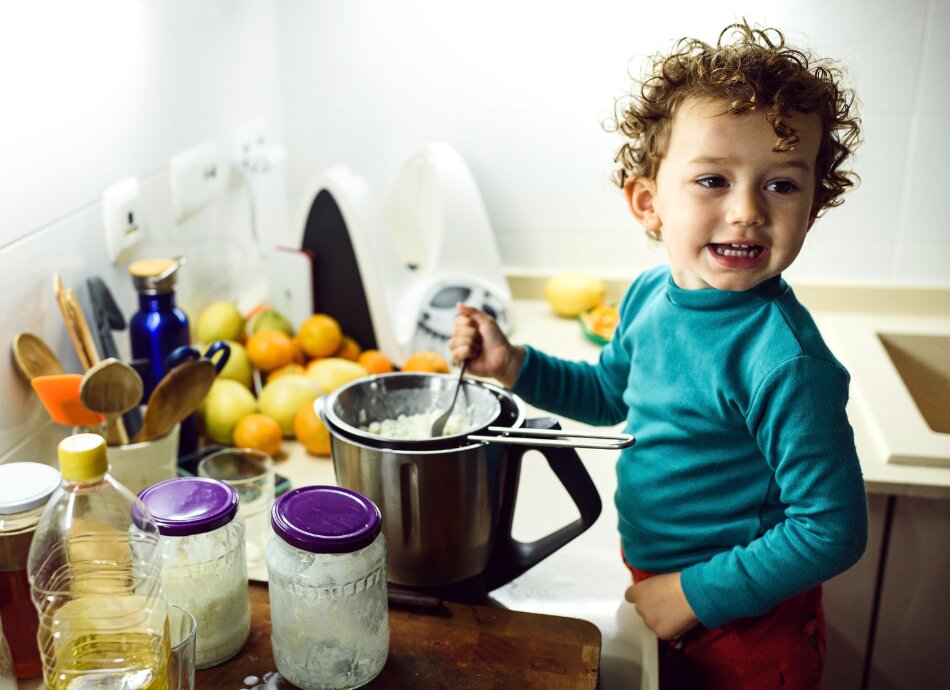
458	646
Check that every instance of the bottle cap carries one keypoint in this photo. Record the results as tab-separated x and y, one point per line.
154	276
82	457
326	519
190	505
25	486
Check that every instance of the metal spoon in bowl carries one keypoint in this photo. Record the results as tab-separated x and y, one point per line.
438	426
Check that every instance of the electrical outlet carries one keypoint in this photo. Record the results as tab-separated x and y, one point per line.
246	140
194	179
123	218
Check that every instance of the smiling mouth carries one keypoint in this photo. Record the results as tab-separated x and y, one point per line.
744	251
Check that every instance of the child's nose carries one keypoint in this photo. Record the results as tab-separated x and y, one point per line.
746	207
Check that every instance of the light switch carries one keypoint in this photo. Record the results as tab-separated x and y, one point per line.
194	179
123	218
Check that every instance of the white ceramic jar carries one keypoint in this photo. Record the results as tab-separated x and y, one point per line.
204	569
326	568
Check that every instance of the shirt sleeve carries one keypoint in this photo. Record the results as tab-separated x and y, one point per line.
588	393
799	421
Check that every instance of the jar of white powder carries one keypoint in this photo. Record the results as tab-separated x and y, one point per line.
326	569
204	570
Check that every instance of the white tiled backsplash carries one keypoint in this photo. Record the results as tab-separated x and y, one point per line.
98	91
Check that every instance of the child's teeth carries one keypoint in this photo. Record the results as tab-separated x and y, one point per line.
733	249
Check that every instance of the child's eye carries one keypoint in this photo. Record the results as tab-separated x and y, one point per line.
711	181
782	187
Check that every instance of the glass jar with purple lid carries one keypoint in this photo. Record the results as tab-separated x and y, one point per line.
326	569
203	566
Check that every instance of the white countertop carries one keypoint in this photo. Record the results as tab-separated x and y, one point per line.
886	420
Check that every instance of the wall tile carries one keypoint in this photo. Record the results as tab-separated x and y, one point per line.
922	263
926	215
839	260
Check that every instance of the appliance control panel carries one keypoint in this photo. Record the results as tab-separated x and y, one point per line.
438	313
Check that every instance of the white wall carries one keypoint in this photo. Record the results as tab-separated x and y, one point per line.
520	89
94	91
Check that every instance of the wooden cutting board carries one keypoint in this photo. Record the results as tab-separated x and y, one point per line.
458	646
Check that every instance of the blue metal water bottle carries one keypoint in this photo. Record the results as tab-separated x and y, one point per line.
157	328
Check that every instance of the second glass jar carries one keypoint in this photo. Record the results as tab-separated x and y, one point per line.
203	565
326	567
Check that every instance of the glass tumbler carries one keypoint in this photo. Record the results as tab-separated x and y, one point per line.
251	473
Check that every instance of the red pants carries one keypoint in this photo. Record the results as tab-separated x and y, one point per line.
782	649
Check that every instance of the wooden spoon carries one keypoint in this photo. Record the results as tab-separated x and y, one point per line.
112	388
175	397
34	357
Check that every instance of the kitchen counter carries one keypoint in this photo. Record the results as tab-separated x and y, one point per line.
586	578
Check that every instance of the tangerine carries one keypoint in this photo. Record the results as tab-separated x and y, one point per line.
375	362
311	432
320	335
300	357
292	368
349	349
258	431
426	361
269	350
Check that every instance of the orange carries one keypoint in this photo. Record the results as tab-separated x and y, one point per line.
311	432
349	349
300	357
426	361
269	350
292	368
258	431
375	362
320	335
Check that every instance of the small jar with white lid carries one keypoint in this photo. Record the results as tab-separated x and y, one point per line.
326	568
25	489
204	570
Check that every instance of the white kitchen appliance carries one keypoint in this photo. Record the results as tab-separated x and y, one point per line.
392	272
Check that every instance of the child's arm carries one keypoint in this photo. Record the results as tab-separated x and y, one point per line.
477	338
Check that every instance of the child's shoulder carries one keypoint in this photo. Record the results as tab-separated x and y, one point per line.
647	284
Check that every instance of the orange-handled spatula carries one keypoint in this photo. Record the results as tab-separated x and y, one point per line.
60	396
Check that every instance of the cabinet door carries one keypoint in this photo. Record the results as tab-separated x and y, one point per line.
912	646
849	601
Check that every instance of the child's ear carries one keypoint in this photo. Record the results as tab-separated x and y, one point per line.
640	193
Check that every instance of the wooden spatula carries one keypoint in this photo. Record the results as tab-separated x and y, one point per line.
112	388
34	357
175	397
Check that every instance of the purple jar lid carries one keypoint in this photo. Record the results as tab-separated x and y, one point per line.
190	505
326	519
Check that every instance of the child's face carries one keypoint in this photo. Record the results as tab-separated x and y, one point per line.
732	211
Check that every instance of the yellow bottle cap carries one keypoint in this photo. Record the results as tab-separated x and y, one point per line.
82	457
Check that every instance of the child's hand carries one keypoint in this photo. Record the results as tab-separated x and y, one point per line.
662	605
477	338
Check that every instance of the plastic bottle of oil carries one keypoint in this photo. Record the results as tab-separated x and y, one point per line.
95	580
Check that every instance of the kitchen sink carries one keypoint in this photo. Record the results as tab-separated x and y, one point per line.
923	363
900	382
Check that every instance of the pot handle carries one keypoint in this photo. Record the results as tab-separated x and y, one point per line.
511	558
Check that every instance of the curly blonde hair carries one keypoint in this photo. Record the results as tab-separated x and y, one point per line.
754	70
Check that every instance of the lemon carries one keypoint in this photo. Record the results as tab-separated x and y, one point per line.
224	406
571	293
219	321
282	398
333	372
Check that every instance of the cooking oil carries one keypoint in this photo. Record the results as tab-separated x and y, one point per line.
94	572
125	661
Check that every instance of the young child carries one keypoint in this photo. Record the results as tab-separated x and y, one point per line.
743	492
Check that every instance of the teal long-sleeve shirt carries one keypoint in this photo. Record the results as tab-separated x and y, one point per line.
744	475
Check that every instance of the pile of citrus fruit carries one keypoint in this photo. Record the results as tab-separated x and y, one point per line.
266	390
